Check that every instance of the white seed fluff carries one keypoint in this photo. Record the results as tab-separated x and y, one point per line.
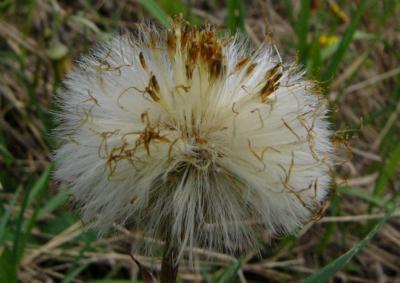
194	138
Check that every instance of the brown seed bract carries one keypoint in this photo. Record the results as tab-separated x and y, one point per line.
201	46
272	78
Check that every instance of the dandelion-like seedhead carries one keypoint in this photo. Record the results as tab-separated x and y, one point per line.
194	138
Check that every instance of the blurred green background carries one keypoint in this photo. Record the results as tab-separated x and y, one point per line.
351	47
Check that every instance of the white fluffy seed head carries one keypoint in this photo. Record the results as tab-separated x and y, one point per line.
193	138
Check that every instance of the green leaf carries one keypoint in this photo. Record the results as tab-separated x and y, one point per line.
328	271
235	15
230	272
154	9
346	40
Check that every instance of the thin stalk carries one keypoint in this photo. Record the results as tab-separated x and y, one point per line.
169	265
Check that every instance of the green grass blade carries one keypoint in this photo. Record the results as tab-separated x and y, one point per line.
23	227
113	281
346	40
8	157
288	4
302	29
5	5
40	185
230	272
6	216
324	274
235	15
314	63
362	194
20	221
173	7
331	228
86	23
8	272
55	202
388	171
70	276
26	233
154	9
206	277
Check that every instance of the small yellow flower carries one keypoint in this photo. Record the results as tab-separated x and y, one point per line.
326	40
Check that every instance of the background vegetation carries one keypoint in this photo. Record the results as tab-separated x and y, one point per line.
352	47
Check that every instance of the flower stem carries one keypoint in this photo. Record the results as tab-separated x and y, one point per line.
169	265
